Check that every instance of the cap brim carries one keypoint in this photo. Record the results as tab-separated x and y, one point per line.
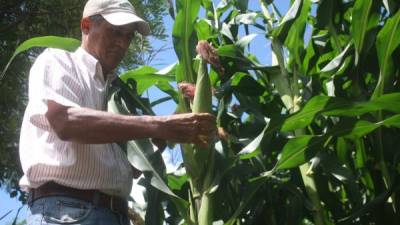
123	18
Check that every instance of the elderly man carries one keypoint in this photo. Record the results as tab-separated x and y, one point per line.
74	172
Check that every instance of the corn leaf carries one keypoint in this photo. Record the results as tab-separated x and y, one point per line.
147	77
140	153
284	26
68	44
183	35
300	149
362	21
337	61
331	106
295	38
387	42
251	149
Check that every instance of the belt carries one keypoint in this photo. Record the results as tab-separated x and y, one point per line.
97	198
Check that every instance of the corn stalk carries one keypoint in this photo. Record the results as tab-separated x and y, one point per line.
200	161
202	103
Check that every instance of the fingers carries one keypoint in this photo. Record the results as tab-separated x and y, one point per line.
206	131
204	141
194	128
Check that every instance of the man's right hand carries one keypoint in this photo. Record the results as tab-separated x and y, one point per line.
195	128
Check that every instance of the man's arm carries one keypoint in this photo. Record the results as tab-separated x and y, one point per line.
90	126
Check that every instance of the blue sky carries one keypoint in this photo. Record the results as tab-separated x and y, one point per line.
259	47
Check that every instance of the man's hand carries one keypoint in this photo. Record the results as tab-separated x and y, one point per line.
196	128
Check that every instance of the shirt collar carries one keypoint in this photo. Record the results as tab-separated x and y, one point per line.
94	68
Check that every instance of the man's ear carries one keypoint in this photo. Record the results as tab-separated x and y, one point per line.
85	25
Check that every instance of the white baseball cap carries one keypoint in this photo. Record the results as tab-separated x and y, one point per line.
116	12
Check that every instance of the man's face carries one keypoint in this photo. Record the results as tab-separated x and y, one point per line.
108	43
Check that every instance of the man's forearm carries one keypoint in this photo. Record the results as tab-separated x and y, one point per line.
96	127
90	126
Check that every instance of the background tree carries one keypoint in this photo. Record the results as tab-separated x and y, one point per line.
25	19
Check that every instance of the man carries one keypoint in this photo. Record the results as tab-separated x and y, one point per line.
72	169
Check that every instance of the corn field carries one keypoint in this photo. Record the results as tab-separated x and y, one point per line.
311	138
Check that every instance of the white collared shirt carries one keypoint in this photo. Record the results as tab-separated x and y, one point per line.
75	80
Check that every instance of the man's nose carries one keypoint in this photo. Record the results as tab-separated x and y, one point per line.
122	42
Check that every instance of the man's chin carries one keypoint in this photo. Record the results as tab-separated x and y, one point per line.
112	65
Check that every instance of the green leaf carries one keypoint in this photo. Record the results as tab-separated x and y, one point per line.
246	18
356	129
360	129
160	101
299	150
284	26
208	5
168	89
131	98
229	51
145	77
250	150
204	29
386	102
169	70
361	23
341	107
68	44
308	61
295	38
307	114
184	42
176	182
393	121
140	153
387	42
244	41
225	30
245	84
337	61
330	106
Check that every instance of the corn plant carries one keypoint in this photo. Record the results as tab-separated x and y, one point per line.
317	97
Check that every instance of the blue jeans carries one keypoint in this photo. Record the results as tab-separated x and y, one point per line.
54	210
